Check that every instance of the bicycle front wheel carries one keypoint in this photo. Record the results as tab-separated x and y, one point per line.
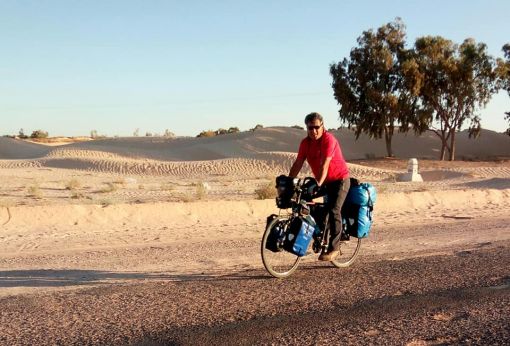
349	251
279	264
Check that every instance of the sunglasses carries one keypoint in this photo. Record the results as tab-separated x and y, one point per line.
314	127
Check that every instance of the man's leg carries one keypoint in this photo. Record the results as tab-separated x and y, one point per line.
337	192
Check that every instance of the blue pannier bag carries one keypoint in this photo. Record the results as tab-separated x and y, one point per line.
358	207
300	235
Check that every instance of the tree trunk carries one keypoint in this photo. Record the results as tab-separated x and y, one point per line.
443	151
452	146
387	137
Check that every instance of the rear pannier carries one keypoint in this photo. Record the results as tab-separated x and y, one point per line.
358	207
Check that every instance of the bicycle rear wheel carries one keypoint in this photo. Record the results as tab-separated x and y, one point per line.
349	251
282	263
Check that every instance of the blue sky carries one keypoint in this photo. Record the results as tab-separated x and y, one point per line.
71	66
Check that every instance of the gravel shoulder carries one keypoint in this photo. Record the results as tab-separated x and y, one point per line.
459	297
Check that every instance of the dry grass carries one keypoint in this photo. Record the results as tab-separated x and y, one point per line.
109	187
266	191
167	187
77	195
35	191
120	181
73	184
106	202
200	190
187	198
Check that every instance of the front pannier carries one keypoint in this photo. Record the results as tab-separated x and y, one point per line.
276	237
300	235
357	209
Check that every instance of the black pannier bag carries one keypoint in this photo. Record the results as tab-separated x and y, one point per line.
284	191
276	237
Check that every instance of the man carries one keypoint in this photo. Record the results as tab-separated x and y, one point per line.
323	153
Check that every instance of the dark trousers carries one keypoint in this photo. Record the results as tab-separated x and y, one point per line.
336	192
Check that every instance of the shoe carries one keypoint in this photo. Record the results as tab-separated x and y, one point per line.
329	256
323	255
344	237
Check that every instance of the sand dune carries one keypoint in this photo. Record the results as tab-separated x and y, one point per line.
247	144
268	151
11	149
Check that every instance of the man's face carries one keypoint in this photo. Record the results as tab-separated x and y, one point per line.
315	129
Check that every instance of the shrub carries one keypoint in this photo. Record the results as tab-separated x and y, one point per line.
266	191
73	184
168	134
167	187
22	134
39	134
186	198
110	187
208	133
77	195
105	202
35	191
257	127
297	127
233	130
201	190
120	181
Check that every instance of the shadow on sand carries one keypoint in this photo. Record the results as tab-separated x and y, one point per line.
494	183
66	278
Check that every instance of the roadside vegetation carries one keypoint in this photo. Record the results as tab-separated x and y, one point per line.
435	85
266	191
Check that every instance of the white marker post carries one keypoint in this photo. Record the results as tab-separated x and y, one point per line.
412	172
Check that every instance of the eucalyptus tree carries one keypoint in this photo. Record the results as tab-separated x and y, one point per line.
370	87
456	82
503	72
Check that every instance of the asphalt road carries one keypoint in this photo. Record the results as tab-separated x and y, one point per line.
458	298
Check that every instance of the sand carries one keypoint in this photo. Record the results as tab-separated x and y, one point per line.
147	208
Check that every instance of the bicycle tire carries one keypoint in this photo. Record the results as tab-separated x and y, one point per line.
344	262
267	255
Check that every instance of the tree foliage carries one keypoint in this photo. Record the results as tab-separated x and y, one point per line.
370	87
39	134
21	134
257	127
218	132
168	134
454	83
503	72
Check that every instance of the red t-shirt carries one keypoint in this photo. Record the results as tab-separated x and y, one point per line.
316	151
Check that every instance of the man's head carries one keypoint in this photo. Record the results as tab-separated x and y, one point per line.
314	125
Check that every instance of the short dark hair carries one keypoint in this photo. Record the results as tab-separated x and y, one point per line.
313	116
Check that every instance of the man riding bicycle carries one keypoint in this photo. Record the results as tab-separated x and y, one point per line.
323	153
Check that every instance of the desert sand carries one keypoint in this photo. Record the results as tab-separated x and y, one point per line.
112	212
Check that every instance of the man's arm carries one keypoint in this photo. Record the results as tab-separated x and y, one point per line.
324	171
296	167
